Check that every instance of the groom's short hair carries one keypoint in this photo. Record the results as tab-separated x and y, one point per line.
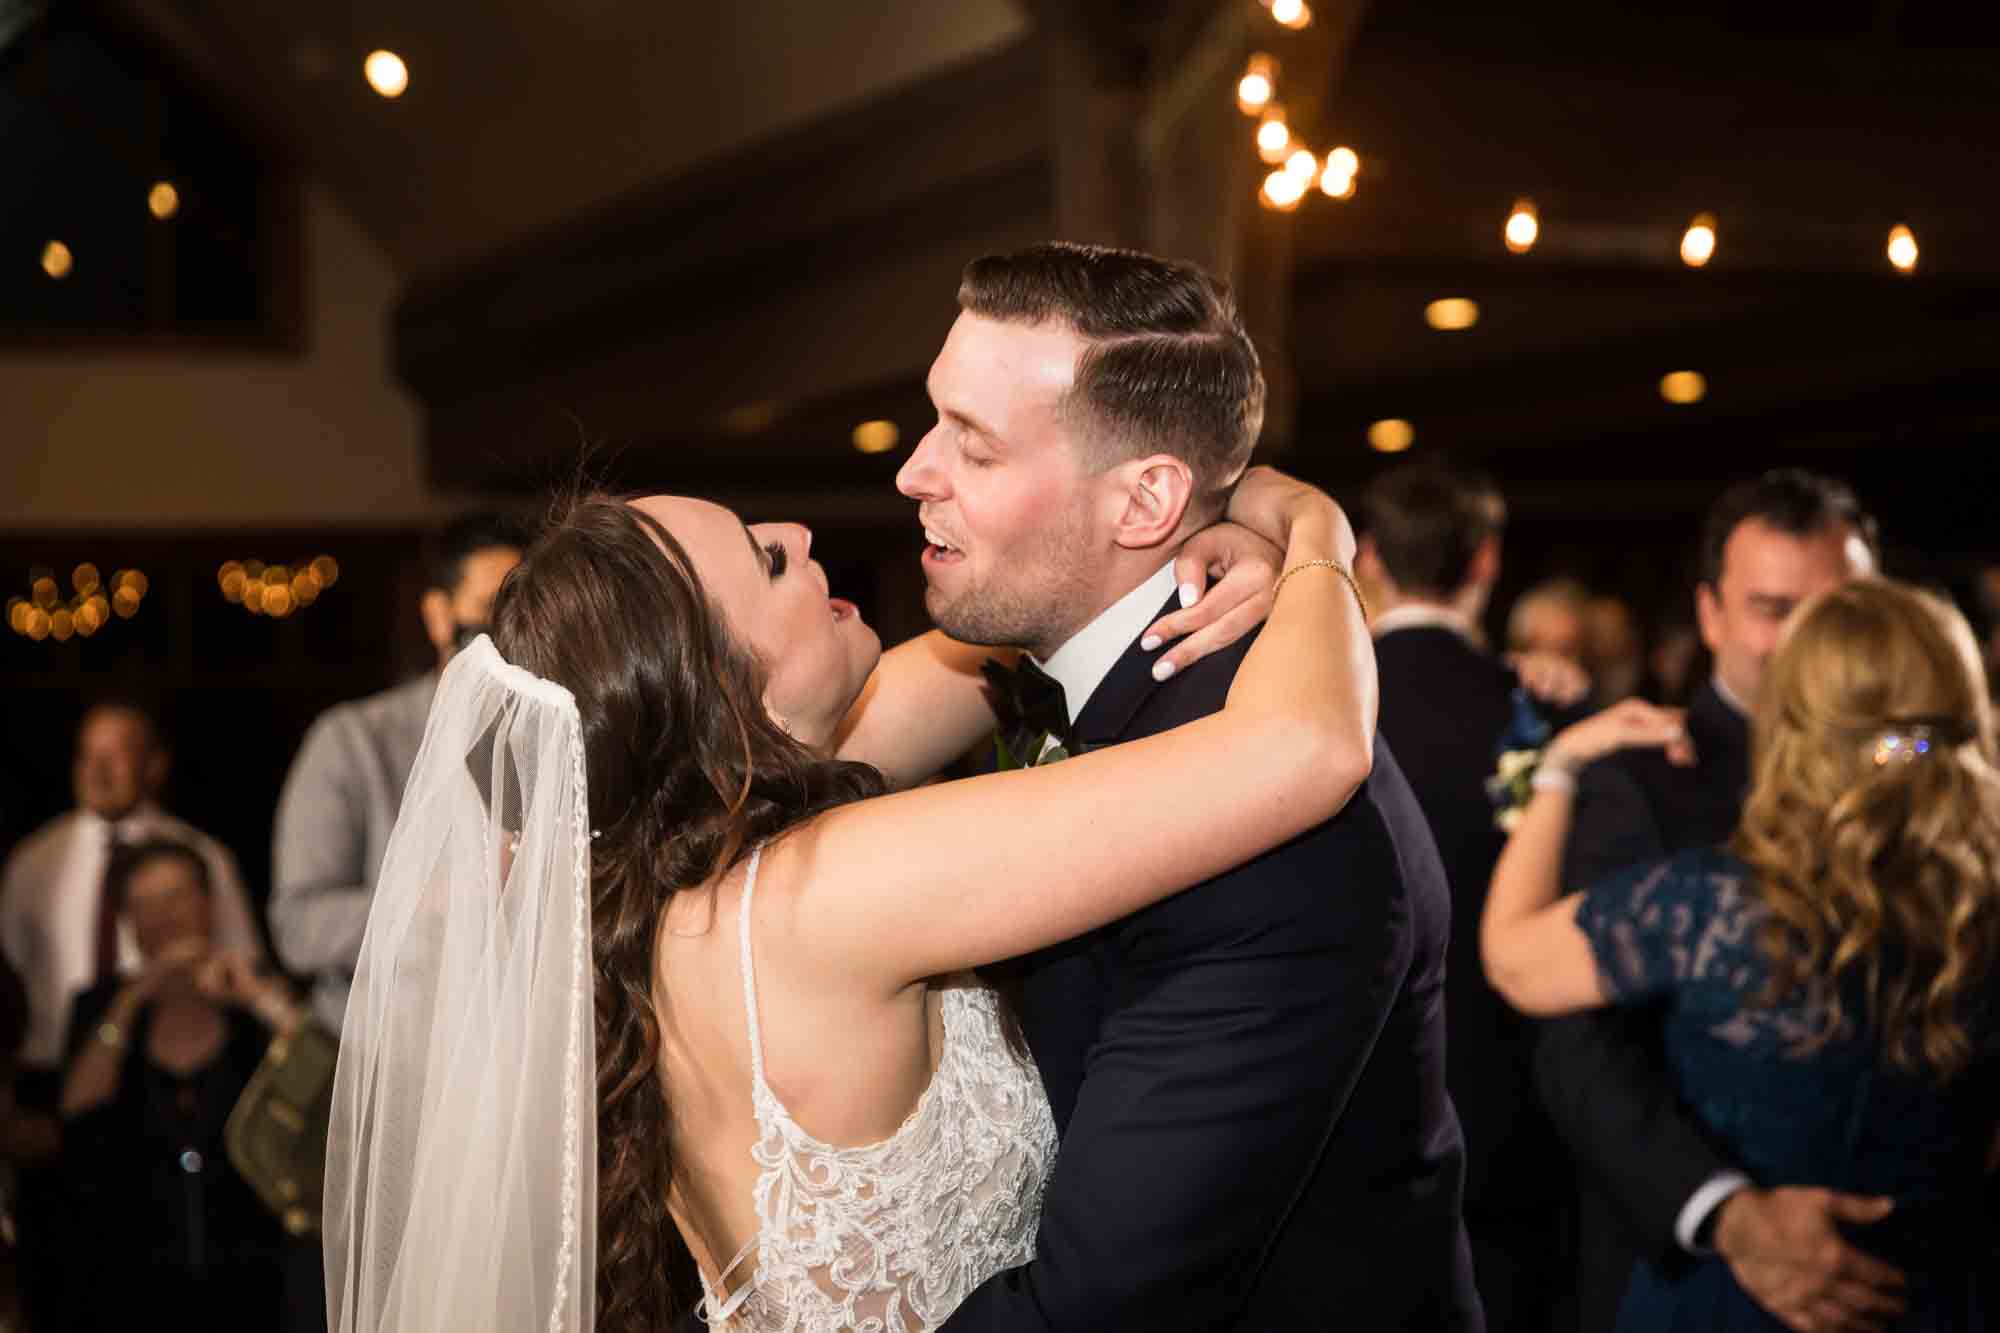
1169	367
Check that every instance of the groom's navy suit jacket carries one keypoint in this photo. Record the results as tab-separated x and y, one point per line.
1249	1081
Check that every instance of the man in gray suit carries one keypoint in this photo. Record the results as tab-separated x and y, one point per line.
341	796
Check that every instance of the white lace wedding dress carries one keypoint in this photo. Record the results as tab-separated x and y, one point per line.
889	1238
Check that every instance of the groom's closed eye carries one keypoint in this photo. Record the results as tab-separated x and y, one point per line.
775	552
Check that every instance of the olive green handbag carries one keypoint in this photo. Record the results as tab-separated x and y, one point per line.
276	1136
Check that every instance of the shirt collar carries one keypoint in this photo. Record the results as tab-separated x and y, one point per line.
1426	615
1729	696
1082	663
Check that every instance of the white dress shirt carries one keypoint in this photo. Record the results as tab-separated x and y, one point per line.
1427	615
1082	663
49	897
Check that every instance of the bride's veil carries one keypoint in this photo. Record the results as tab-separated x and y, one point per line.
461	1161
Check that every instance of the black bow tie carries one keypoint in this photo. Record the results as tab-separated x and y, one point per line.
1029	704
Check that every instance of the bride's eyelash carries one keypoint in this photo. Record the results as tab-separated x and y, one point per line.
776	552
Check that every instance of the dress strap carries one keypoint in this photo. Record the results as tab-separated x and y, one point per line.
749	977
714	1310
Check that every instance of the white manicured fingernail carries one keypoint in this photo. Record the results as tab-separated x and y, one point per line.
1149	643
1188	596
1163	668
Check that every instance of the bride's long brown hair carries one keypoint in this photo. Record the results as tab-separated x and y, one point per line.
687	772
1876	866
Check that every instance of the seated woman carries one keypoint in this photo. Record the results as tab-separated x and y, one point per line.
157	1062
1829	976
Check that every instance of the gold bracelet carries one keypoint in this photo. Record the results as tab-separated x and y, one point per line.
1333	565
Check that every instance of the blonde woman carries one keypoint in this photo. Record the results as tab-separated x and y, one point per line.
1829	976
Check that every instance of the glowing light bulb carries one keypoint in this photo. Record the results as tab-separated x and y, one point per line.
1282	191
1335	185
1258	85
1451	313
1523	227
163	200
1683	387
1391	436
1343	162
386	73
1302	163
57	260
1274	137
1698	241
1292	14
1902	248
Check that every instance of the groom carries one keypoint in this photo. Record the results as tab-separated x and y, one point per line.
1249	1077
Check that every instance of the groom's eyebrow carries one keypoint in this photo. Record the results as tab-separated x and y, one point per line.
970	423
751	537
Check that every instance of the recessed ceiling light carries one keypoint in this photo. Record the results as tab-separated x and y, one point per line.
876	437
1452	313
1683	387
1392	436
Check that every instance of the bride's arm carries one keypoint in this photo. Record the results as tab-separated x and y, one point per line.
925	703
945	877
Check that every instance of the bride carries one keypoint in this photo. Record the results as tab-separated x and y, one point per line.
665	1002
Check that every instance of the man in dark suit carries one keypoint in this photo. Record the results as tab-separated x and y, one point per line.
1651	1184
1248	1077
1430	550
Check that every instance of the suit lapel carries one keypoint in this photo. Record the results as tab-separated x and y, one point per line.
1123	691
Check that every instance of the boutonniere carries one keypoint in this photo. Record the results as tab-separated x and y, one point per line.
1519	754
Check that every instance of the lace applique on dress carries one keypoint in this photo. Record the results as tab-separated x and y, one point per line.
890	1237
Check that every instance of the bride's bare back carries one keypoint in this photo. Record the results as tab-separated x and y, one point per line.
885	1155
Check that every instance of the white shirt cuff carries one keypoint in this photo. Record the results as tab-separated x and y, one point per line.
1703	1202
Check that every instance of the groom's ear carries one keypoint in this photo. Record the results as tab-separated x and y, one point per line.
1153	494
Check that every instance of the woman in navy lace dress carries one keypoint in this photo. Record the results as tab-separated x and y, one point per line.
1829	976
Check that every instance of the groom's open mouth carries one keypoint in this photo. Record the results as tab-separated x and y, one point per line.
937	551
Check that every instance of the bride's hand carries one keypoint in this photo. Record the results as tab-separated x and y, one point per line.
1271	504
1244	567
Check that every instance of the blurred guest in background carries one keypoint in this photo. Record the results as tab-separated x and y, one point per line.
1673	659
1828	975
1612	651
1430	546
1550	618
1652	1184
163	1224
60	932
340	798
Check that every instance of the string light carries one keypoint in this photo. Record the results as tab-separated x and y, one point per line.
1698	241
1274	137
57	261
1336	185
1344	162
1302	164
1523	226
1391	436
1451	313
44	613
276	590
386	73
1683	387
1903	248
1282	190
163	200
1258	85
